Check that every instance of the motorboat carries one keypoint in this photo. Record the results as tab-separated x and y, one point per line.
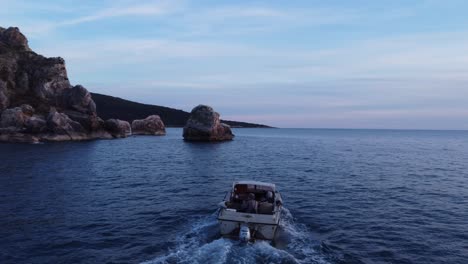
251	211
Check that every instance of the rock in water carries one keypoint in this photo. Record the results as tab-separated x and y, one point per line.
118	128
204	125
152	125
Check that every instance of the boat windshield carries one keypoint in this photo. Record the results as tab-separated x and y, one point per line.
252	188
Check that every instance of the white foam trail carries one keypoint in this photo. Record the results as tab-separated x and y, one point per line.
202	245
300	241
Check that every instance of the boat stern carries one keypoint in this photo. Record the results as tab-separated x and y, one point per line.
260	226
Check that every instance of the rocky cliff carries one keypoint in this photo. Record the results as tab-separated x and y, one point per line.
37	101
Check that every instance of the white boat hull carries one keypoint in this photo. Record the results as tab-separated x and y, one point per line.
236	217
261	226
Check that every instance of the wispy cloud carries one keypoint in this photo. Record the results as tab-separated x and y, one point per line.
251	19
447	118
14	6
425	58
146	9
85	13
195	20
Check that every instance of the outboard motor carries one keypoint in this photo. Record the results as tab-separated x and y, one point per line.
244	233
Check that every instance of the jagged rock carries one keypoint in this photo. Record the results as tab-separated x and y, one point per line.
18	125
27	109
79	99
3	96
118	128
30	77
55	109
14	38
152	125
90	122
22	83
59	122
12	118
63	128
16	118
47	78
9	135
204	125
36	125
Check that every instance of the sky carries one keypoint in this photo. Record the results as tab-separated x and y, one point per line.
390	64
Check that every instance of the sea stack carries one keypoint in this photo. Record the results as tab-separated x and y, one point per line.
152	125
204	125
37	101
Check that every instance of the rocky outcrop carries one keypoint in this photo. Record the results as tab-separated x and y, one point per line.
78	99
37	101
3	95
36	125
60	124
152	125
118	128
15	118
14	38
204	125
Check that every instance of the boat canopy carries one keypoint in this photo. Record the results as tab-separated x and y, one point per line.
252	186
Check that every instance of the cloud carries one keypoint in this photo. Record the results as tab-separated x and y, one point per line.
444	118
90	12
251	19
426	60
191	19
243	11
13	6
432	56
148	9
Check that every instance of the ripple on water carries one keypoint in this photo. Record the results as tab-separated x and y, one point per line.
201	243
357	196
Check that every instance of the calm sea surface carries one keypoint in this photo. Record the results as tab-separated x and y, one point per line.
351	196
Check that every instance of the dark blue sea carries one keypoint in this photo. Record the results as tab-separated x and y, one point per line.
350	196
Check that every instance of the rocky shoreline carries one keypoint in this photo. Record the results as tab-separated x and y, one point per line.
38	104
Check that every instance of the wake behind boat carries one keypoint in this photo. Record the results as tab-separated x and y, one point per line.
251	210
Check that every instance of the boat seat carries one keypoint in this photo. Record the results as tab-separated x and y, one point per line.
243	196
265	208
232	205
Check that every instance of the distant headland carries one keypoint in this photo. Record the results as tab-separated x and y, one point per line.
109	106
38	103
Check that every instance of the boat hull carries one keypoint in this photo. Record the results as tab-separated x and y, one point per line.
261	226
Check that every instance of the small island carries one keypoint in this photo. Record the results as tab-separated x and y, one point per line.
204	125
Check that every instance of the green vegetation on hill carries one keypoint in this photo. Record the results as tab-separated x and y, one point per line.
114	107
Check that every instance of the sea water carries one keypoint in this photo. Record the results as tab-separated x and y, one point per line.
350	196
